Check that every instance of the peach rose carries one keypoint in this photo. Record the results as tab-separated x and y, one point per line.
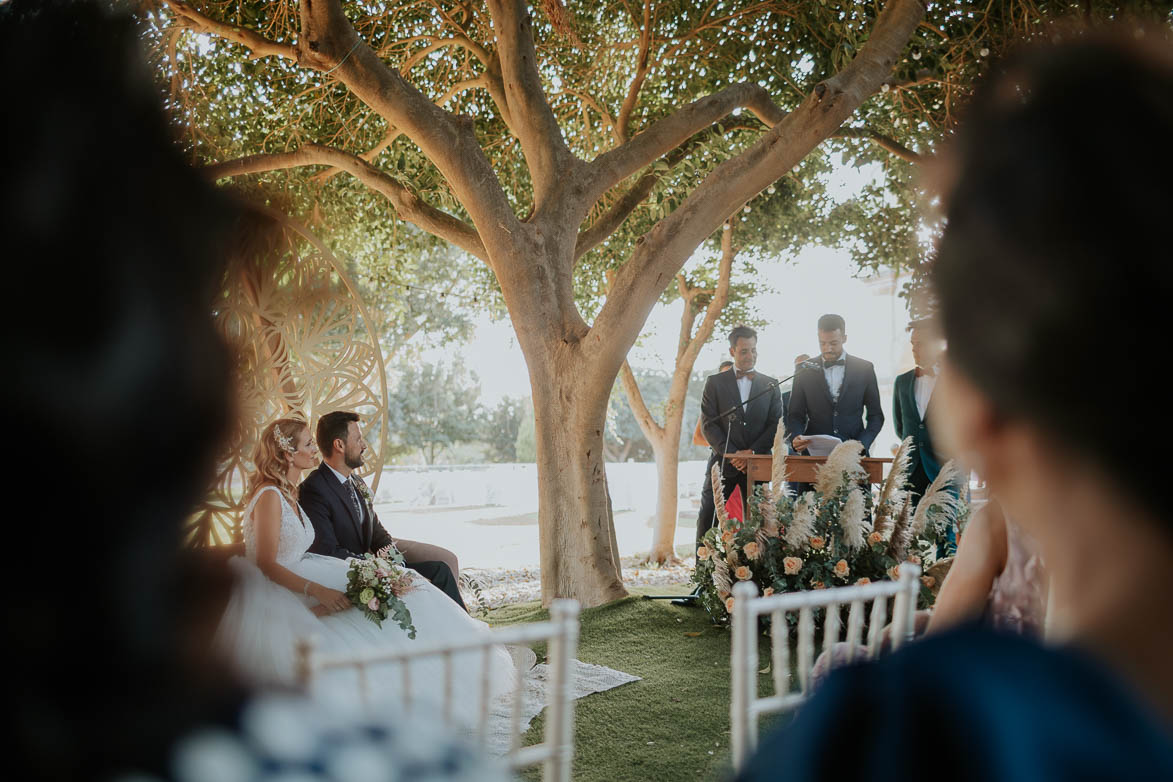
928	581
914	559
703	552
817	542
769	591
791	565
373	604
743	573
727	536
841	569
752	550
894	572
818	585
729	604
875	538
863	581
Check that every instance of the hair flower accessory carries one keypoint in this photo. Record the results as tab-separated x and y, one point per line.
283	441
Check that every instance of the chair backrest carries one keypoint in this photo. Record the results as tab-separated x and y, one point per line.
745	706
556	751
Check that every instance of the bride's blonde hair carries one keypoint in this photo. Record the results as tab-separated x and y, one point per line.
273	454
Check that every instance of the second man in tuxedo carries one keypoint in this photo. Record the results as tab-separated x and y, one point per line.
339	506
834	397
739	413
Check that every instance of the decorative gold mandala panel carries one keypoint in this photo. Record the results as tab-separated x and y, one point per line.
305	346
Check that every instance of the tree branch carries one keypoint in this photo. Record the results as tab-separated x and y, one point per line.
647	423
641	74
369	156
545	150
890	144
611	168
663	250
609	222
258	45
407	204
330	43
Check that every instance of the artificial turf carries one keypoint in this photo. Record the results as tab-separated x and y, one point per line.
674	723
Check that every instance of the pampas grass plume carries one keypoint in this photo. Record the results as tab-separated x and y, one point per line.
940	494
852	520
778	470
844	459
802	526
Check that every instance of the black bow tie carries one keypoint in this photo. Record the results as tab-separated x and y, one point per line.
838	363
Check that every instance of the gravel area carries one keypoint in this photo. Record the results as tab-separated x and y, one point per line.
505	586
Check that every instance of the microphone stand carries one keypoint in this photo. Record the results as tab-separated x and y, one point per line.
685	600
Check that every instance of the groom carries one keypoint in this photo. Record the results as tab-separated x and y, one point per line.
338	503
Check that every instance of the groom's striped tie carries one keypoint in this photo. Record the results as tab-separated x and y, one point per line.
354	500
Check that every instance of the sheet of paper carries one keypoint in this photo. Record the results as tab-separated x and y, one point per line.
822	444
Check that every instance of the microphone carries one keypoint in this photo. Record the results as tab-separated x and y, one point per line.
812	363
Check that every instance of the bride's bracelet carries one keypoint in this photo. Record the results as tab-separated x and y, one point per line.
305	590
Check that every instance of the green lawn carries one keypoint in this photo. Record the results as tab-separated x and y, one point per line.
674	724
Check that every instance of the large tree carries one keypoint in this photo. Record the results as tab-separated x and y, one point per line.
530	191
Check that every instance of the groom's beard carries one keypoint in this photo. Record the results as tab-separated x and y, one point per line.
354	460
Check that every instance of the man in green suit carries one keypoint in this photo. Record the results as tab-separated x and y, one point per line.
911	401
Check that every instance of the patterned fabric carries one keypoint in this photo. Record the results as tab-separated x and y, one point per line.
1018	597
296	534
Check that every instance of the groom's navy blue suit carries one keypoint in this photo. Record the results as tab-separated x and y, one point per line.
340	531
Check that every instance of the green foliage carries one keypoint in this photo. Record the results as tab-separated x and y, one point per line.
500	427
434	408
526	449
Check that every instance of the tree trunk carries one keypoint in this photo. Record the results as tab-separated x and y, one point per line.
667	451
579	552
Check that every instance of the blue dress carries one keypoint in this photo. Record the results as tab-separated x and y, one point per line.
972	704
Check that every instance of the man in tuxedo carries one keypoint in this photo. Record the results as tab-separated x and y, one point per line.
338	504
832	398
733	423
912	397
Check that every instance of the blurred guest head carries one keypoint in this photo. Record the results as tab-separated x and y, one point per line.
1054	258
725	365
124	383
801	359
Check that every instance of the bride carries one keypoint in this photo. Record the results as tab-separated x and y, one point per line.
284	594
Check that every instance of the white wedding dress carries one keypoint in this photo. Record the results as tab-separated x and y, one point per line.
264	621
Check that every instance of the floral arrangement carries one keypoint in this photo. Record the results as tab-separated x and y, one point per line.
375	585
843	532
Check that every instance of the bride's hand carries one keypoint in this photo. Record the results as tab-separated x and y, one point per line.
332	600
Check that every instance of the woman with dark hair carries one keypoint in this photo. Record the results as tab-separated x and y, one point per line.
1055	253
118	397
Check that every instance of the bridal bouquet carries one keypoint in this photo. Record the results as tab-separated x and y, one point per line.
375	585
843	532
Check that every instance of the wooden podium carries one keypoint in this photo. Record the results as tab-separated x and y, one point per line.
760	467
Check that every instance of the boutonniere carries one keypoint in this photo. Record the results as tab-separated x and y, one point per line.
362	489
